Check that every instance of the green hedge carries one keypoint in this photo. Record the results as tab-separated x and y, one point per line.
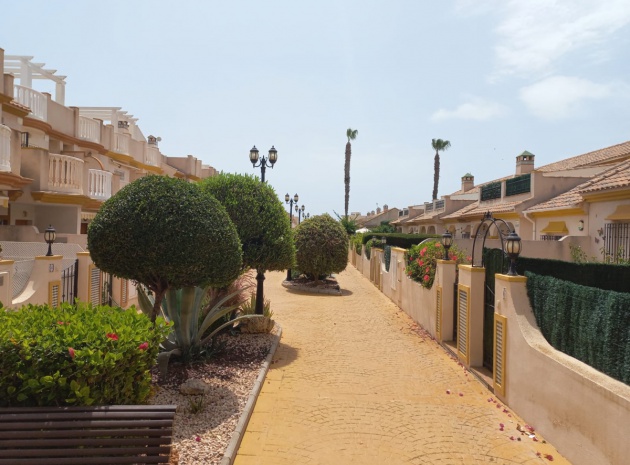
404	241
76	356
600	275
589	324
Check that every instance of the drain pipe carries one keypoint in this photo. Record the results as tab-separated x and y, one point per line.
526	216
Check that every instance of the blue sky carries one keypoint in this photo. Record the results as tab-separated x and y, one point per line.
494	77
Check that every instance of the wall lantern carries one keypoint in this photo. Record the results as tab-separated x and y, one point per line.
513	247
581	225
50	236
447	242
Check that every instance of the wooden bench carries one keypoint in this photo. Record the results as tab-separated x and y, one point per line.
130	434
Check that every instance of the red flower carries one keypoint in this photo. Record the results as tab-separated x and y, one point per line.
426	278
112	336
420	262
71	352
438	244
143	346
60	323
549	457
423	251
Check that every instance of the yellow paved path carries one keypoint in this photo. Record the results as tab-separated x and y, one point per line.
355	381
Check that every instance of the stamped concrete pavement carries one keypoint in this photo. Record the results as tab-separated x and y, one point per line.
356	381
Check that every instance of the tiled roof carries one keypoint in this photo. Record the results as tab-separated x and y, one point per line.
614	178
477	209
598	157
617	177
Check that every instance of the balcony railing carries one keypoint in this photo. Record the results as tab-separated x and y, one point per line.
5	148
151	156
89	129
491	191
121	143
65	174
99	184
518	185
37	102
439	205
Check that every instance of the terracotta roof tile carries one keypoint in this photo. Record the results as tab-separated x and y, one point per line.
477	209
614	178
597	157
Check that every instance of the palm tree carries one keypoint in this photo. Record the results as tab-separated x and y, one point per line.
351	134
439	145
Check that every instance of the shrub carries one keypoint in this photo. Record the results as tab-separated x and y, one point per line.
422	261
77	355
322	246
348	223
404	241
357	243
165	233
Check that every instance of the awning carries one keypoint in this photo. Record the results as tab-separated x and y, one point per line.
87	216
556	227
621	213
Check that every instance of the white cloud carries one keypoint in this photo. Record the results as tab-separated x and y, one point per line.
535	34
560	97
476	109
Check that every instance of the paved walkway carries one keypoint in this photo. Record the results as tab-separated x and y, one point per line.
355	381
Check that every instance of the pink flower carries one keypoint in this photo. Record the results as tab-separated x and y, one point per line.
143	346
461	394
71	352
437	244
423	251
420	262
549	457
426	278
427	270
448	391
112	336
198	439
60	323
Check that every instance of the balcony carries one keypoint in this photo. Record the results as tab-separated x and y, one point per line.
99	184
36	101
121	143
152	156
65	174
518	185
5	148
89	129
491	191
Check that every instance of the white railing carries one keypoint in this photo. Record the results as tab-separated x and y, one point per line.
151	156
65	174
37	102
5	148
89	129
99	184
121	143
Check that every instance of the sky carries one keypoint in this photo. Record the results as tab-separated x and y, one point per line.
212	79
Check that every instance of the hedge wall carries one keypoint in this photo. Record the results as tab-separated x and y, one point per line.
404	241
600	275
589	324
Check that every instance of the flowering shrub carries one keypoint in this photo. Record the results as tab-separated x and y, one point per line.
77	356
422	261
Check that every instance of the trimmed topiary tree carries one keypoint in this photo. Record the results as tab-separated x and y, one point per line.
261	221
165	233
322	246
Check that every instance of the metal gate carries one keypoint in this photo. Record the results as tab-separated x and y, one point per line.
70	283
495	261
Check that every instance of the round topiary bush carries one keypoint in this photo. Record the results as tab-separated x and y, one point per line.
165	233
322	246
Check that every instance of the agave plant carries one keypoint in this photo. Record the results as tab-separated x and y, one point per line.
184	307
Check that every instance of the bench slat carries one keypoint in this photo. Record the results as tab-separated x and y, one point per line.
87	451
9	417
156	432
86	461
69	425
32	443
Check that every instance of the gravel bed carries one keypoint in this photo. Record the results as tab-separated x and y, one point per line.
204	423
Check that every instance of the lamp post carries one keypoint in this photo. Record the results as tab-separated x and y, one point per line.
50	236
290	201
273	158
447	242
513	247
300	212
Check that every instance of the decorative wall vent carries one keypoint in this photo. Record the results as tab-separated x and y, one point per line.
500	339
463	318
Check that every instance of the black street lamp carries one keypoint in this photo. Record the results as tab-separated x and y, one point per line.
290	201
50	236
447	242
513	247
300	212
273	158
